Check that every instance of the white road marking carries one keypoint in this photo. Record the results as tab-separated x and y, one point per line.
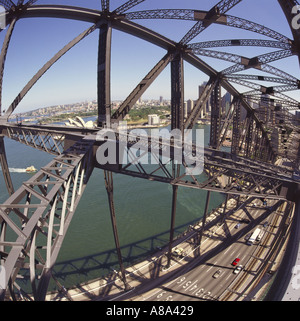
211	266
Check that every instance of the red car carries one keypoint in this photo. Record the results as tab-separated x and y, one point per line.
236	261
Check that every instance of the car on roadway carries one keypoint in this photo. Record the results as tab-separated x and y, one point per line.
238	269
178	252
236	261
217	273
266	224
238	225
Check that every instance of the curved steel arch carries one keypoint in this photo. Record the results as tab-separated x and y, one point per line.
197	15
76	162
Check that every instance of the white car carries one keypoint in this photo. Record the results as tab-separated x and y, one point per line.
238	269
217	273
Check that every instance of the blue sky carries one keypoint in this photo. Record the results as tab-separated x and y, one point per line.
73	78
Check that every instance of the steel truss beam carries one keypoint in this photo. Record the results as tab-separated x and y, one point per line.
219	9
43	145
217	164
260	63
240	43
196	15
36	218
264	78
243	63
241	182
258	97
127	6
7	4
274	90
105	5
47	141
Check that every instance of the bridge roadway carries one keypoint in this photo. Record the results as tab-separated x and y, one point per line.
192	279
198	282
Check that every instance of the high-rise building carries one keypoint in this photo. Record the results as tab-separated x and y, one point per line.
190	105
226	102
153	119
185	109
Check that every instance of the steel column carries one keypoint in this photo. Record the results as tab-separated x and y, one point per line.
249	137
173	215
204	217
225	208
235	129
177	91
215	116
104	62
175	173
108	177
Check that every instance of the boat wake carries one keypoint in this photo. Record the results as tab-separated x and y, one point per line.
16	170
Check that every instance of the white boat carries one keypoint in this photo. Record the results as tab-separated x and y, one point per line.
31	169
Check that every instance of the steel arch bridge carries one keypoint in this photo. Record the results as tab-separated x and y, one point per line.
38	214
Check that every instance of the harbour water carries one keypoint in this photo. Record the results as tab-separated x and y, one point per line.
143	211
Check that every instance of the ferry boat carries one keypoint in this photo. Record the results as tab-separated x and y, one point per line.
31	169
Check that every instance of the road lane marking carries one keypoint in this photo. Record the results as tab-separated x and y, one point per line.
212	266
190	286
228	249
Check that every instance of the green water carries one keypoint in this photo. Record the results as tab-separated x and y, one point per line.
143	211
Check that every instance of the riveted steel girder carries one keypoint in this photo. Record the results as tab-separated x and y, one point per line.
222	7
44	206
127	6
103	86
177	91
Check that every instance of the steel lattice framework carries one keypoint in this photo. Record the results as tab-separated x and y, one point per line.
39	212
